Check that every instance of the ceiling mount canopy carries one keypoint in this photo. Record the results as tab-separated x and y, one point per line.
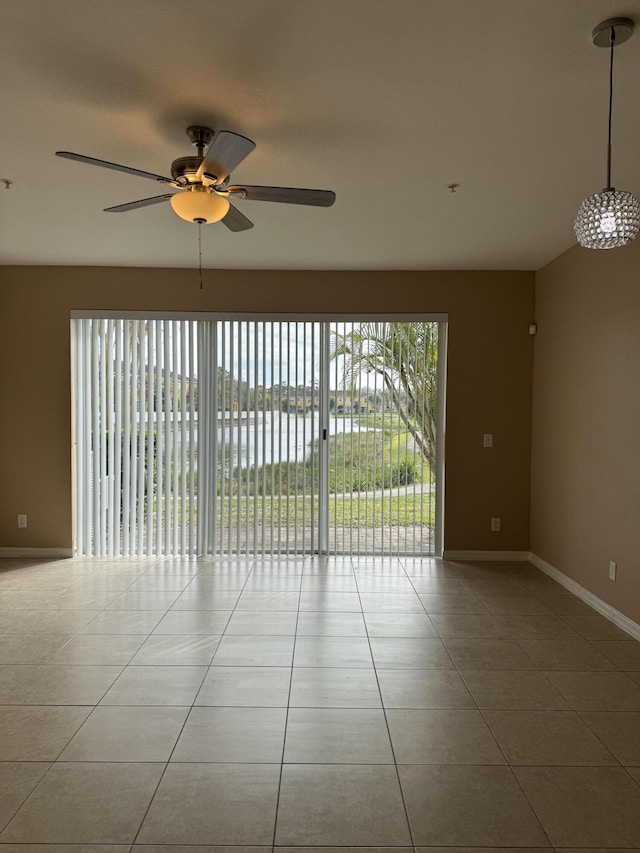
610	218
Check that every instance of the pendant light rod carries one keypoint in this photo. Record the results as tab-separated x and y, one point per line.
613	43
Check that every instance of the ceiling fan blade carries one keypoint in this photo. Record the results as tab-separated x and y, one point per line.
236	221
107	165
134	205
286	195
226	152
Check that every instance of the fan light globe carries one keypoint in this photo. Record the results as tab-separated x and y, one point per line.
607	220
199	204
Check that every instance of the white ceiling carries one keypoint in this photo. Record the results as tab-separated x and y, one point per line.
384	101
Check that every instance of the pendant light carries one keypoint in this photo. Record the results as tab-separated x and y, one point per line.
609	218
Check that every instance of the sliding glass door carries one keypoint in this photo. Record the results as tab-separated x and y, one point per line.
235	436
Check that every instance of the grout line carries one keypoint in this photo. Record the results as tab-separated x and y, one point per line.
286	718
386	722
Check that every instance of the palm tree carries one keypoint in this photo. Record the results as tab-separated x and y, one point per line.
405	355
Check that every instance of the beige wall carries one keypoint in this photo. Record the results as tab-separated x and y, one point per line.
489	377
586	421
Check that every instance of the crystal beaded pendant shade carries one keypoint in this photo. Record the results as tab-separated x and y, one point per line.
610	218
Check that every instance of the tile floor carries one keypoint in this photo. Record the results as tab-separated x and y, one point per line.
174	705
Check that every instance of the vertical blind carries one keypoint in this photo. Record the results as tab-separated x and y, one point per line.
135	435
219	437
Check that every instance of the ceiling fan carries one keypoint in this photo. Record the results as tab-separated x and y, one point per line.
202	182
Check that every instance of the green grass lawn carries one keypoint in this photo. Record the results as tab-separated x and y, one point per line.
402	511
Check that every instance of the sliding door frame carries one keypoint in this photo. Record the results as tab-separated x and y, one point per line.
324	319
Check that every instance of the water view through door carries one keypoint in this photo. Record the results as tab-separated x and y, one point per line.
259	437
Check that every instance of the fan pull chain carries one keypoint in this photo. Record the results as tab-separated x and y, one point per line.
200	252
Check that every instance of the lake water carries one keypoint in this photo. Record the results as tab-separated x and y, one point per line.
278	437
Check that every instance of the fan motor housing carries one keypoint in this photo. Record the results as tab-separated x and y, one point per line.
185	167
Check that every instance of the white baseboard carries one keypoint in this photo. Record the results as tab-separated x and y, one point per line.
589	598
493	556
42	553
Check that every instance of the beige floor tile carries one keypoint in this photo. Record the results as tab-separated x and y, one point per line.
624	653
13	675
565	654
351	652
409	653
595	628
536	627
523	605
334	687
265	583
596	850
337	736
129	733
377	566
328	624
207	599
400	625
86	803
619	731
268	601
267	622
431	584
161	583
334	602
57	621
547	738
239	735
566	605
193	622
416	688
493	850
495	586
254	651
24	648
472	626
391	602
245	686
340	805
584	806
124	622
17	781
597	691
213	804
176	650
99	649
442	737
488	654
425	568
513	690
156	685
457	806
344	850
463	602
544	587
148	600
65	685
331	583
385	584
64	848
37	733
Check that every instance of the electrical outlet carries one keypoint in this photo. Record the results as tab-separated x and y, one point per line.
613	567
22	521
495	525
487	439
